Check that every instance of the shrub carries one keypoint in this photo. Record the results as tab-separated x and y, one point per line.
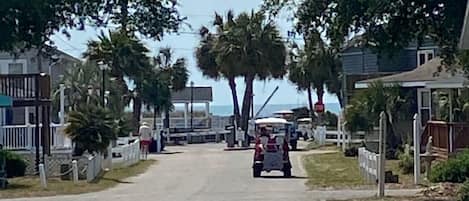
351	152
463	192
15	165
406	163
454	170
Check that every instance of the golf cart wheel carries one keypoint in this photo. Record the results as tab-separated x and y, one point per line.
256	172
287	172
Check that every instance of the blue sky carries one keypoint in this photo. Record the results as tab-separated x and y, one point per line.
201	12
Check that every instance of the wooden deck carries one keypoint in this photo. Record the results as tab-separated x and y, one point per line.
447	138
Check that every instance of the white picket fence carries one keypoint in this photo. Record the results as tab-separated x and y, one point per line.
94	167
368	164
130	154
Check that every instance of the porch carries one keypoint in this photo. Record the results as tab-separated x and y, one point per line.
441	102
31	107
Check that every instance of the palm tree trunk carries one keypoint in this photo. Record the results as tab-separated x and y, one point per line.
234	94
137	109
247	101
310	102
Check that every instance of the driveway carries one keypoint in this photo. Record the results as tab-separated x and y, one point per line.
207	173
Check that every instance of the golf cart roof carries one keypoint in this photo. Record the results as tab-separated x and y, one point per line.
304	120
272	120
284	112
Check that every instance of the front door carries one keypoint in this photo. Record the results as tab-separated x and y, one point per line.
424	105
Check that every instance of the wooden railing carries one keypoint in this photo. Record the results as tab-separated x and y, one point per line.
25	86
447	137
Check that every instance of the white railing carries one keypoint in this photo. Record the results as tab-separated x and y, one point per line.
368	164
129	154
23	136
94	167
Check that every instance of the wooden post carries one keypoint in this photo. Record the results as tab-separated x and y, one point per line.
382	153
416	149
75	171
42	176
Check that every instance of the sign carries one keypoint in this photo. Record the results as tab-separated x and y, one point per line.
319	107
6	101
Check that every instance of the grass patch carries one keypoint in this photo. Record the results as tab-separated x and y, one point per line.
332	170
30	186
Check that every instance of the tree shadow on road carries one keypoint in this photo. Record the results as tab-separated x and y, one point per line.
282	177
117	181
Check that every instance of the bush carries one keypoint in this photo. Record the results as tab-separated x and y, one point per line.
351	152
406	163
454	170
463	192
15	165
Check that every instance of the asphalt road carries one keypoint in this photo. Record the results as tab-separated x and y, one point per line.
207	173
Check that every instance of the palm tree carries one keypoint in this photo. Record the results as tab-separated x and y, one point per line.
300	74
91	128
254	47
127	57
78	81
165	77
207	58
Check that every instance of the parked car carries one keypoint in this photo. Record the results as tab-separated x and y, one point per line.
271	148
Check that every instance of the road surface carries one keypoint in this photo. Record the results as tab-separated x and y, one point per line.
207	173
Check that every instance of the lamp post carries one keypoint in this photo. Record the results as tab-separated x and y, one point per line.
103	68
192	104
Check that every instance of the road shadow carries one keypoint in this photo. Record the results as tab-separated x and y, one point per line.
282	177
117	180
300	150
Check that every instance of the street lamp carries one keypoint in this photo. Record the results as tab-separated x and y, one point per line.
192	104
103	68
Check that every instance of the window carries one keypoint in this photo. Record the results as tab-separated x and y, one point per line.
423	56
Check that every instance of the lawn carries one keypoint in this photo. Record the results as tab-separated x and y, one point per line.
403	199
30	186
334	170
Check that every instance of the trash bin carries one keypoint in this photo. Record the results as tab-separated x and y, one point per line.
153	146
63	169
230	137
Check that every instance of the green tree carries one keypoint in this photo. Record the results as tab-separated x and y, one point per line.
166	76
385	25
253	46
78	81
206	55
365	108
91	128
127	57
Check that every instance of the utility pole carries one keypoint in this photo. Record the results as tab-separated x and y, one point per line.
192	104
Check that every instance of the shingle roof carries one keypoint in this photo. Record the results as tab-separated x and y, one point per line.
429	71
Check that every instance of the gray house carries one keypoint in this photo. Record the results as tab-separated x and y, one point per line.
360	63
25	63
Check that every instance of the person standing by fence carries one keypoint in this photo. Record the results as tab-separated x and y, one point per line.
145	139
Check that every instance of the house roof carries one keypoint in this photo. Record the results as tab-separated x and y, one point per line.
418	77
200	95
454	82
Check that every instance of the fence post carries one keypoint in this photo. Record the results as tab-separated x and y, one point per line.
338	130
89	169
42	176
416	149
382	153
75	171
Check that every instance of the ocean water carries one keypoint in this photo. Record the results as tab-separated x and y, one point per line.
227	110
